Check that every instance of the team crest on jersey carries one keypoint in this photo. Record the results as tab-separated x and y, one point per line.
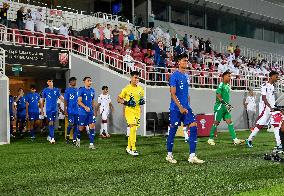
203	122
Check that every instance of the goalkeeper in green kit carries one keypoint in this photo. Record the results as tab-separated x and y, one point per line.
222	109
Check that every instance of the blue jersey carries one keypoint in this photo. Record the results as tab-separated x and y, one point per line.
181	82
21	105
33	99
11	101
88	95
71	97
51	96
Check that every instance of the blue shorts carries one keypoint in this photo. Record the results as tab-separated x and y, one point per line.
176	117
87	119
33	116
21	116
51	115
73	119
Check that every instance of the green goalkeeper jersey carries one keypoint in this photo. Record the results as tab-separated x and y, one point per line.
224	90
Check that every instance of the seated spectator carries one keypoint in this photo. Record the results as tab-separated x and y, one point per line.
63	30
222	67
230	48
70	31
237	52
107	34
96	34
115	35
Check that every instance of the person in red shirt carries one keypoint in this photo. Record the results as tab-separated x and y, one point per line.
237	51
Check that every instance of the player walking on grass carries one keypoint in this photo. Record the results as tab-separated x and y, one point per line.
87	111
71	109
180	111
132	96
50	97
32	109
104	105
266	105
222	109
21	111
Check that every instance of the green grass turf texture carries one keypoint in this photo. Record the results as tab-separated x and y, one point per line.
40	168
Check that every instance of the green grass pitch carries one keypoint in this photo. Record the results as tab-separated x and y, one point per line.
42	169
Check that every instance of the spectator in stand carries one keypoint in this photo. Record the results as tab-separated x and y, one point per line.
4	13
128	61
250	106
196	44
208	48
70	31
222	67
185	41
237	52
180	48
151	20
96	34
201	45
107	34
160	60
115	35
39	21
63	30
131	38
190	43
30	18
125	37
144	39
20	18
151	40
230	48
167	38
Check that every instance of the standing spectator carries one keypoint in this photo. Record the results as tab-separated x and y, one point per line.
125	37
180	48
128	61
167	38
160	60
63	30
144	39
30	24
107	34
151	40
185	41
196	44
237	51
208	48
201	45
115	35
39	21
175	41
230	48
4	13
190	43
20	18
151	20
96	34
70	31
131	37
250	106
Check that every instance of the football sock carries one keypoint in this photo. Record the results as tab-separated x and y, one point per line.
79	135
69	129
51	131
170	139
132	137
253	134
232	130
92	136
212	131
192	139
185	132
105	128
276	134
32	132
75	132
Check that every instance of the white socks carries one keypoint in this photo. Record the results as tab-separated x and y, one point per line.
192	155
277	136
185	133
104	128
128	131
253	134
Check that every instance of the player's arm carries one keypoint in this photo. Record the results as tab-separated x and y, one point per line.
27	110
174	97
80	103
41	105
95	107
266	102
65	107
111	107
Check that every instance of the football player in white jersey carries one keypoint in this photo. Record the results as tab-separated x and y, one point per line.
266	107
105	106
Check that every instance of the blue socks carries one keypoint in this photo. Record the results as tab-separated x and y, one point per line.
170	140
192	139
75	132
69	129
51	131
32	132
92	136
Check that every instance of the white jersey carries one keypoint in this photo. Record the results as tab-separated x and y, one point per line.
104	101
267	89
250	100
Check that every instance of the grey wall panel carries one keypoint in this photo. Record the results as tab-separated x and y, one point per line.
4	114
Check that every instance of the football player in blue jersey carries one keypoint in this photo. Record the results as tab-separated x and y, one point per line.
71	109
87	110
50	96
12	110
21	111
32	109
180	110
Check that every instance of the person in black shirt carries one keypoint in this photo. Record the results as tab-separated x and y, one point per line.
144	39
4	13
208	48
20	18
115	35
201	45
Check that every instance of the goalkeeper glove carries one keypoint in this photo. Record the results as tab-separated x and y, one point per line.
228	106
141	101
130	103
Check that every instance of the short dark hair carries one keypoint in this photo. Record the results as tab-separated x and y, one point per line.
63	90
72	79
226	73
87	77
104	87
181	56
32	86
20	89
135	73
272	73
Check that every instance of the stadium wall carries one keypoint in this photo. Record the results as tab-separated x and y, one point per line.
217	37
4	114
81	67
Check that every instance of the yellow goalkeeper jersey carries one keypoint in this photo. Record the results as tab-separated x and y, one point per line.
134	92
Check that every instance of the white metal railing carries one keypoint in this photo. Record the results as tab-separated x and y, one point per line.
2	62
149	74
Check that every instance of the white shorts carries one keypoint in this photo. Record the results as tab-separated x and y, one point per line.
264	115
104	114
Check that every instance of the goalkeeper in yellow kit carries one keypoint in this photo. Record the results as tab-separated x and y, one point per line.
132	96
